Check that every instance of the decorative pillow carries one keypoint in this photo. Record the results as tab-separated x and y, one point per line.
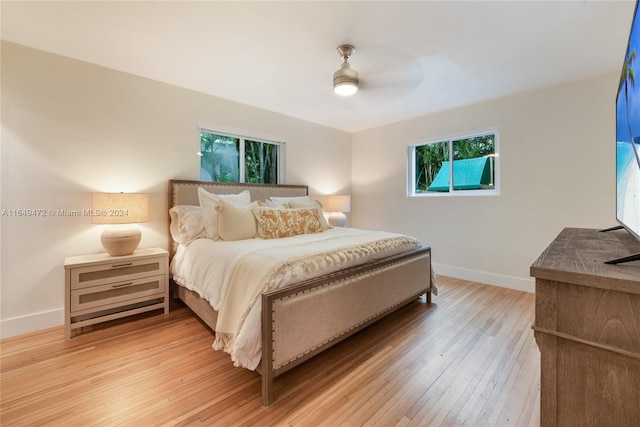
313	204
187	223
208	202
236	223
299	199
278	223
276	205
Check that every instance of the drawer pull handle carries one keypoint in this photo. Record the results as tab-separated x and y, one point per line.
126	264
121	285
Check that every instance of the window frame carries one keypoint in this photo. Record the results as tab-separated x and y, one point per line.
243	136
411	165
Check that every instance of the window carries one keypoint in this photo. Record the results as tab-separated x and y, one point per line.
466	165
220	159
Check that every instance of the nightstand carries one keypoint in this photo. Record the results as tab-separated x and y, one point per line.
100	287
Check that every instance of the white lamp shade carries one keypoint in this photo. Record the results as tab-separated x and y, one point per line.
120	208
336	203
345	89
345	80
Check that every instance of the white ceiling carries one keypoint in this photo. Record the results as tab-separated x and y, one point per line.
414	58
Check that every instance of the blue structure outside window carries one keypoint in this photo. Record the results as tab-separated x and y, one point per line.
468	174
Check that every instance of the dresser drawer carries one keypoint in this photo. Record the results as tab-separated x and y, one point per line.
108	273
117	292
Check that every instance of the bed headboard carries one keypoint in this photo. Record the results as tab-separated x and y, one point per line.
184	192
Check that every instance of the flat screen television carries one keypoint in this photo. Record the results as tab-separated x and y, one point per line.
628	138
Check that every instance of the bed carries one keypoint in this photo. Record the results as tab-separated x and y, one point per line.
337	282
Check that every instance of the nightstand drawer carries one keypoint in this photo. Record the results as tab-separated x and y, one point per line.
116	271
112	293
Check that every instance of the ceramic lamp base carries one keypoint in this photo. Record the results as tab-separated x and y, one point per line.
120	240
337	219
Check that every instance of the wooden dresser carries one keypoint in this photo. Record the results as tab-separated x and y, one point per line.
587	326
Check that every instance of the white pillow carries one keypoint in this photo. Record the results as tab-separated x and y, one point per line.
276	205
236	223
187	223
312	204
299	199
208	203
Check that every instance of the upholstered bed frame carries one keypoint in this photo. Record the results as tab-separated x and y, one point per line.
302	320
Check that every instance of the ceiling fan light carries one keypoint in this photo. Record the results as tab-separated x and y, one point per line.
345	89
345	80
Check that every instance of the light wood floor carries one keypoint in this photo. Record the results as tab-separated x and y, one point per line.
468	359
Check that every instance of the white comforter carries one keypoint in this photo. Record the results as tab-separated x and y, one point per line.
233	275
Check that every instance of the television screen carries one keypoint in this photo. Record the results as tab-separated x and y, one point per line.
628	135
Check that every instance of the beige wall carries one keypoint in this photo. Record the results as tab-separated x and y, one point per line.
558	170
70	128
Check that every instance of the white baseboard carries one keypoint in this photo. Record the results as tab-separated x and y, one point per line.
517	283
49	319
30	323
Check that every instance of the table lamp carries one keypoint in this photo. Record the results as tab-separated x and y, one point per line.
120	210
335	205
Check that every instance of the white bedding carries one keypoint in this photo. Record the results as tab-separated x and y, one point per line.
232	275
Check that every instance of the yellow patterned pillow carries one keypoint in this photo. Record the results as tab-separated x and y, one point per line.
313	204
278	223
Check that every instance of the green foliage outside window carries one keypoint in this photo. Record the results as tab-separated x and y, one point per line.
219	156
261	162
220	159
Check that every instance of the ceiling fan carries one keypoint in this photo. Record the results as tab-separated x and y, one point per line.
388	73
346	81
